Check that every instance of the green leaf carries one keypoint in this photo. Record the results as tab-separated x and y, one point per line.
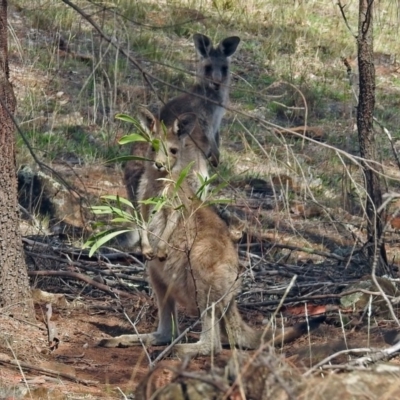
95	243
118	199
152	200
219	187
127	118
155	143
128	158
219	201
182	176
133	137
99	210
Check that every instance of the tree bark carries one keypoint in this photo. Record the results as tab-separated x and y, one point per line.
15	293
366	134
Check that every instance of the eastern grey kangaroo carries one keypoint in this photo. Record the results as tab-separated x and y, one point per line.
213	78
209	96
167	162
200	269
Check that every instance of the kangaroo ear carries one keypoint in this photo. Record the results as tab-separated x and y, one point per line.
185	124
229	45
147	120
203	44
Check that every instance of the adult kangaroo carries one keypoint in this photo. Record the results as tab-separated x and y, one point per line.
210	95
207	99
196	261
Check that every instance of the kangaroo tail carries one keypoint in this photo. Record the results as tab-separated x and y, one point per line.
242	335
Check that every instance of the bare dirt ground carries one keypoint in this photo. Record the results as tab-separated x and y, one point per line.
95	372
90	315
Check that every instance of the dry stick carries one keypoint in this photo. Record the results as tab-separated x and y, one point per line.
263	346
341	7
19	367
332	356
79	252
215	381
303	249
376	355
78	264
373	276
83	278
114	43
377	244
279	378
315	297
23	320
5	360
137	333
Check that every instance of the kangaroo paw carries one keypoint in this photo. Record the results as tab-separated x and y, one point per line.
148	252
162	253
150	339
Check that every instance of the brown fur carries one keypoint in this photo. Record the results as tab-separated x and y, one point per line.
210	95
198	269
167	165
213	78
134	169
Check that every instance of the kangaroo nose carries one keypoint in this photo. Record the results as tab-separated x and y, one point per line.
159	165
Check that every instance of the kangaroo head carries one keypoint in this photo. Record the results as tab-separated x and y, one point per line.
214	65
174	144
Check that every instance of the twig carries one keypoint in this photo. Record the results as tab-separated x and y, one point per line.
291	247
84	278
373	357
5	360
341	8
315	297
79	252
262	347
332	356
214	381
18	363
23	320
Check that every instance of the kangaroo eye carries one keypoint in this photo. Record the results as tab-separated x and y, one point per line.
173	151
208	69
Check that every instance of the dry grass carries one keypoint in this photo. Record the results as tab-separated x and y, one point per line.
288	72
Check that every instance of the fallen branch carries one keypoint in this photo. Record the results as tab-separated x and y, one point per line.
84	278
307	250
6	360
105	257
359	363
315	297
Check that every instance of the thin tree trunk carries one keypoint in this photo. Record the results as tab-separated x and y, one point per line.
366	134
15	293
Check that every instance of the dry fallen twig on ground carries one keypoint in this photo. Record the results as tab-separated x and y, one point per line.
6	360
84	278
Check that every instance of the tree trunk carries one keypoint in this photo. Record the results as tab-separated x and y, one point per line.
15	293
366	135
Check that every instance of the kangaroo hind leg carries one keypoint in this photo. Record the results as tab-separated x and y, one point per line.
210	338
167	329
